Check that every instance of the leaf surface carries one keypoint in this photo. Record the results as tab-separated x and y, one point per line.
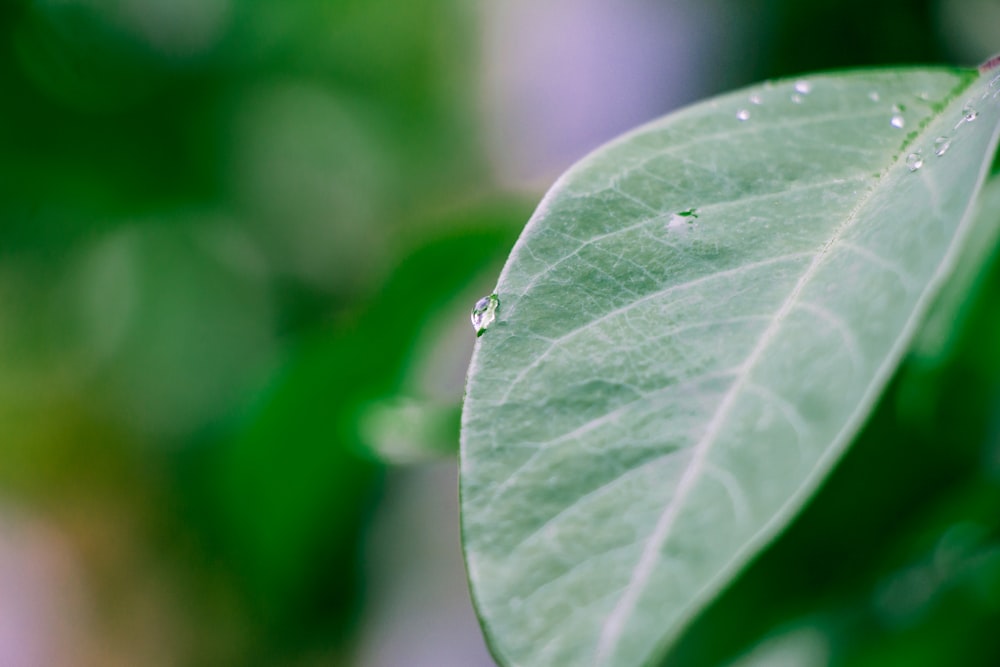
692	327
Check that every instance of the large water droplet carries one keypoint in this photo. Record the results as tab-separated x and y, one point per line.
941	145
743	114
897	121
484	312
914	161
803	87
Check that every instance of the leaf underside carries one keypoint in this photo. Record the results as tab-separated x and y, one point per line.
692	327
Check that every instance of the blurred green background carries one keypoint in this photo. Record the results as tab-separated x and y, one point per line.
239	241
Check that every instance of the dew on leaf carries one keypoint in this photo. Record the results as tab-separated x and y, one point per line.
897	121
914	161
756	99
796	99
682	219
941	145
802	86
484	312
874	96
969	113
743	114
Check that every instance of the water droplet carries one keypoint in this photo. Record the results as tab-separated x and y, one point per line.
743	114
969	113
925	96
914	161
941	145
874	96
756	99
897	121
484	312
796	99
682	220
802	86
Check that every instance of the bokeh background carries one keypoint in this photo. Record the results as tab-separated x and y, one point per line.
239	241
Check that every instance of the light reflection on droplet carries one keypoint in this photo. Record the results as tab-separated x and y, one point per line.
743	114
803	87
897	122
914	161
484	312
941	145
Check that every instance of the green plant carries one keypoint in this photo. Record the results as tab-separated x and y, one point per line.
696	324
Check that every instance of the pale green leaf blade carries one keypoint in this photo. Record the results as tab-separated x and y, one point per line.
661	392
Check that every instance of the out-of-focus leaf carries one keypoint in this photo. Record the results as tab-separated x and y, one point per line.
409	430
291	484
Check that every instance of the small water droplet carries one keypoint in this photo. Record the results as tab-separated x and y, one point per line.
802	86
969	113
743	114
925	96
756	99
484	312
941	145
897	121
914	161
874	96
796	99
682	220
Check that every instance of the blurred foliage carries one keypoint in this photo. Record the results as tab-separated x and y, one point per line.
225	228
237	245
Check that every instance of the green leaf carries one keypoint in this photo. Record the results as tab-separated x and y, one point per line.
692	328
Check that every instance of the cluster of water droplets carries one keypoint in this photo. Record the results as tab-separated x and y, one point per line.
800	88
914	160
941	144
